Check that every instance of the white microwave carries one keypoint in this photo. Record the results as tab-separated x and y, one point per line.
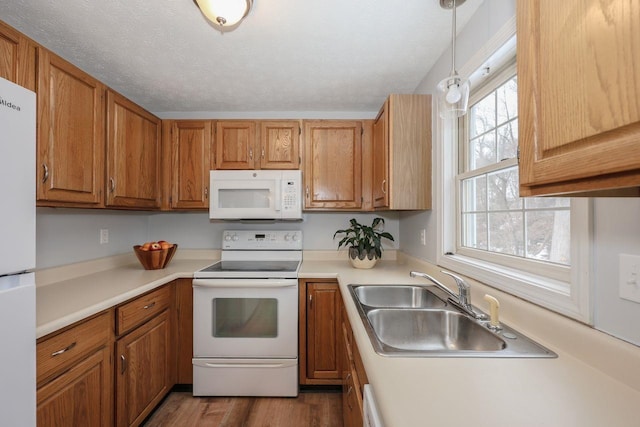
255	194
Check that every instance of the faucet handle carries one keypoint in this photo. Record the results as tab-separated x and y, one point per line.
459	280
463	288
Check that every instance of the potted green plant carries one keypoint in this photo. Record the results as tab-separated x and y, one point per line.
364	242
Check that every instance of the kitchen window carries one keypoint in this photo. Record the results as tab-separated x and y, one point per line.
536	248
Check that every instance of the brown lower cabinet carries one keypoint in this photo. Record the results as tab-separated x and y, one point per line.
328	352
319	332
75	366
143	370
74	374
354	376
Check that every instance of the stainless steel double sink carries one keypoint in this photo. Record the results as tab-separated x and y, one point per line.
417	321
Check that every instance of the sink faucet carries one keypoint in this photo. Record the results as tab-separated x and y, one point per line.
462	300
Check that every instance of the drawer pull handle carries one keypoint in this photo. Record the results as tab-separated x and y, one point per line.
67	348
148	306
123	365
384	186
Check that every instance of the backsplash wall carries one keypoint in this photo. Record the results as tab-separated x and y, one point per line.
65	236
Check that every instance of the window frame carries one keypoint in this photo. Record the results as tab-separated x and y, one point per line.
567	293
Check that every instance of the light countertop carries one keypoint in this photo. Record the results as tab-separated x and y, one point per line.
595	381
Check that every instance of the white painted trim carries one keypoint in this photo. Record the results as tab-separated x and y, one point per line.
576	303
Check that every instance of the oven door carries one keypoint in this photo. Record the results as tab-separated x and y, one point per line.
245	318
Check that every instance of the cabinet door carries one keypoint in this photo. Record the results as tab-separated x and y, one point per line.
191	153
323	332
280	145
184	331
17	57
380	182
133	155
578	95
333	164
82	396
235	144
143	370
70	134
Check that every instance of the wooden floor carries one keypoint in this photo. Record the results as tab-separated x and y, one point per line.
307	410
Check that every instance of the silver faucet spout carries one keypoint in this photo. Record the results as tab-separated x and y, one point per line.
435	282
462	300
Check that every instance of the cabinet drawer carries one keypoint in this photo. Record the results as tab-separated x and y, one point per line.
141	309
59	352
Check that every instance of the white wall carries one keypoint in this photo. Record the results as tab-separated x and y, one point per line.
66	236
616	225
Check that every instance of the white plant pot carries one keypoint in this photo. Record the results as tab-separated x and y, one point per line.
363	263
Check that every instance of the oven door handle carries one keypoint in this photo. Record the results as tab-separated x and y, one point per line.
245	283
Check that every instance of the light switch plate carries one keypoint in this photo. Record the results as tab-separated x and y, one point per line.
630	277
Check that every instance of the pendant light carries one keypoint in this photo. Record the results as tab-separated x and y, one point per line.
225	13
453	91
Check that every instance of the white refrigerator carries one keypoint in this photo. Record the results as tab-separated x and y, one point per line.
17	255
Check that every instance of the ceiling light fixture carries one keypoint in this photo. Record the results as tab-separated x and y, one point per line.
225	13
453	91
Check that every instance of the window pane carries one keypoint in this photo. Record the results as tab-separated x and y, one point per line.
547	202
482	151
474	194
503	191
508	140
507	102
505	233
482	116
474	234
549	236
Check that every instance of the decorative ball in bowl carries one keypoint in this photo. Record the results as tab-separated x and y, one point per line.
155	255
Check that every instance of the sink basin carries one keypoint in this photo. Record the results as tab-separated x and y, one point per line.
415	321
397	296
431	330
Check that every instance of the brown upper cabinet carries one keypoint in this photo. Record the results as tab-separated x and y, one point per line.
280	144
70	134
235	144
133	155
402	154
189	153
579	97
249	144
17	57
333	164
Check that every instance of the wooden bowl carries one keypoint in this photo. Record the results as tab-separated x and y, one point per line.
155	260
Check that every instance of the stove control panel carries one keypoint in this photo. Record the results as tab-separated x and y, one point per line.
290	240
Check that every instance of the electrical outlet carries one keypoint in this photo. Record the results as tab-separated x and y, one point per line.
630	277
423	237
104	236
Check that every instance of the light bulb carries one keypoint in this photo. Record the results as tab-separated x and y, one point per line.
453	94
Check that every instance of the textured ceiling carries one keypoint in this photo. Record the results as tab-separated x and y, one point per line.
287	56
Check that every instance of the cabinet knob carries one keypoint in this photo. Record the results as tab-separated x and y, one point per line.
262	154
251	153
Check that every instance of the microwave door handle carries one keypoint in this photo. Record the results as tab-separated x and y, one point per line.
278	196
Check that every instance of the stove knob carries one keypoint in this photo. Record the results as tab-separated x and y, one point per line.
287	237
295	237
235	238
227	238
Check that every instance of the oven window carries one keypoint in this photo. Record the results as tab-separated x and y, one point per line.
245	317
243	198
